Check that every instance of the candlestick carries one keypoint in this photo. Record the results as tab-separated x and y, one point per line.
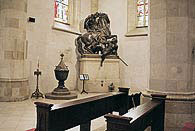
38	62
37	94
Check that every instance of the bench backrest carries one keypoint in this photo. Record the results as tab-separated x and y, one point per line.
70	114
139	118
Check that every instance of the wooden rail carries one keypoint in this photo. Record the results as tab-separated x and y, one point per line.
139	118
80	112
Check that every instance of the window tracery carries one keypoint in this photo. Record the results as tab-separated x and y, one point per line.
62	11
142	13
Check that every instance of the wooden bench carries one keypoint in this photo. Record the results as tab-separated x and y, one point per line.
134	100
80	112
139	118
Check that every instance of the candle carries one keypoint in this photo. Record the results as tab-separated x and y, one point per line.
38	62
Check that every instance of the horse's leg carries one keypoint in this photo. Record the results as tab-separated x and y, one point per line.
79	46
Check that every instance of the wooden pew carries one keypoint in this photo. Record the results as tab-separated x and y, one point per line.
80	112
139	118
134	100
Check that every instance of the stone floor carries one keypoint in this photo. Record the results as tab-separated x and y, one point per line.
21	116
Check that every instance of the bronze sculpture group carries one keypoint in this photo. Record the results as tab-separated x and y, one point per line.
98	38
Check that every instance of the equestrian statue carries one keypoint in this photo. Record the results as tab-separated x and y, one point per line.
98	38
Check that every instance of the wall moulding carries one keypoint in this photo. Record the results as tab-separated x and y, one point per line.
174	96
13	80
137	32
65	28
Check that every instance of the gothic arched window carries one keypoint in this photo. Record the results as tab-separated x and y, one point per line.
67	15
142	13
137	16
61	11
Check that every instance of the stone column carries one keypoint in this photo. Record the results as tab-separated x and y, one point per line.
192	44
171	58
13	48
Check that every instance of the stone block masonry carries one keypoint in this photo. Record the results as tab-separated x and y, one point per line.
13	78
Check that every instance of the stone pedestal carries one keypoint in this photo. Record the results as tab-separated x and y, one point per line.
99	77
61	94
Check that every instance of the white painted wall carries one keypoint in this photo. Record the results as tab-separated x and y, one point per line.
133	50
47	44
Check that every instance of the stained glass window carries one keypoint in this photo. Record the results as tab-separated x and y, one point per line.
142	13
61	11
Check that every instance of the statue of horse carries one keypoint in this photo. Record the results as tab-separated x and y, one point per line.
98	38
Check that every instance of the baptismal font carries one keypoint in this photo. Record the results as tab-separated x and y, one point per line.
61	92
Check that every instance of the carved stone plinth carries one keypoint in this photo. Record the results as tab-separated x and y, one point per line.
61	95
100	77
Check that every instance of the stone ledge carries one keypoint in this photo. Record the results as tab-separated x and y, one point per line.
99	56
96	59
13	80
13	99
61	97
174	96
65	28
137	32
